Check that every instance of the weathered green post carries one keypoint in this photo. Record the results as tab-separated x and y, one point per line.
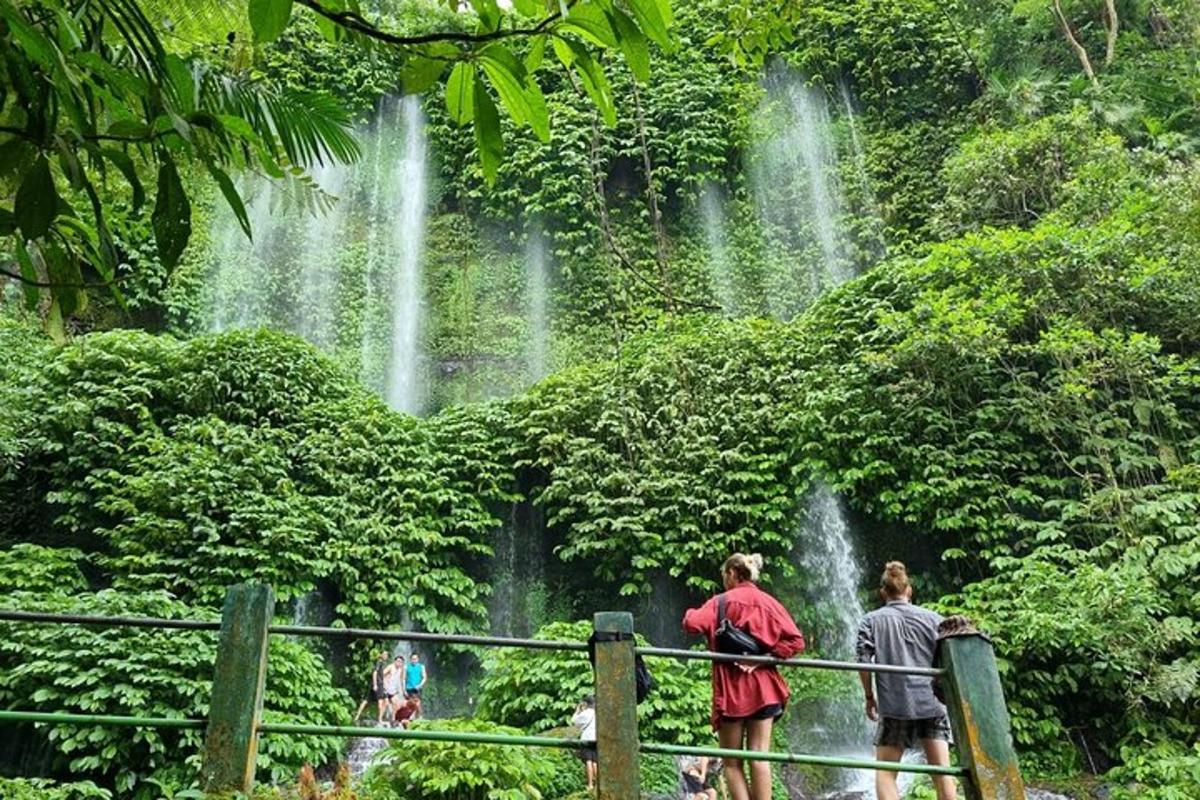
616	707
979	717
231	743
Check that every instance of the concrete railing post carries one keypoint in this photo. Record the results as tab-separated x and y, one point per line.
979	718
616	707
240	673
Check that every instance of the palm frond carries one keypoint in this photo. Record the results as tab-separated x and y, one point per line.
310	128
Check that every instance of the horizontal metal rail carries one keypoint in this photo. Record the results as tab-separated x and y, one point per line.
422	734
422	636
800	758
290	630
110	622
803	663
453	638
106	720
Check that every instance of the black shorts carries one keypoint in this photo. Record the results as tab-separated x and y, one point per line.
907	733
375	694
588	753
769	711
413	692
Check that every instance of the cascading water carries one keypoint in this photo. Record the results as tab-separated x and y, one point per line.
794	178
539	323
403	217
832	576
867	201
347	278
720	269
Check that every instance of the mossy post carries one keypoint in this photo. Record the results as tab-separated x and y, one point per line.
231	744
616	707
979	717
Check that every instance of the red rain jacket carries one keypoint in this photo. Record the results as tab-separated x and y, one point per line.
737	693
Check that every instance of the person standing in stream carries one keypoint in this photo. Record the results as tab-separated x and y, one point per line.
414	681
901	633
747	698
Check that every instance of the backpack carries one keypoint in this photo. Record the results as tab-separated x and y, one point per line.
643	680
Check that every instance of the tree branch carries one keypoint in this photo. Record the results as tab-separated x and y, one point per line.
353	21
1079	49
1112	25
52	285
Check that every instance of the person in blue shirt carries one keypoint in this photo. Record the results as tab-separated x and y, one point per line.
414	681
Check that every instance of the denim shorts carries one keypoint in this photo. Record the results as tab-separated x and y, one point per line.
908	733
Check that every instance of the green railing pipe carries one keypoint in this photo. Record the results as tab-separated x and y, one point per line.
803	663
106	720
110	622
422	636
799	758
419	734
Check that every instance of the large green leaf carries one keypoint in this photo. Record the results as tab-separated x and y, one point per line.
507	76
37	200
172	217
231	197
595	83
539	116
487	133
420	74
633	45
124	163
650	18
460	93
269	18
590	22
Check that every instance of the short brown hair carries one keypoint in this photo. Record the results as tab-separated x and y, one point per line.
894	582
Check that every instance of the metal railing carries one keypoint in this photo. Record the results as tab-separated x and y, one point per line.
967	671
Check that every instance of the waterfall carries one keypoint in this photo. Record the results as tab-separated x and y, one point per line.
316	307
404	234
869	204
539	325
345	276
720	268
832	576
793	175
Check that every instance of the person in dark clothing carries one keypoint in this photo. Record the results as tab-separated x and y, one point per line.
907	712
375	687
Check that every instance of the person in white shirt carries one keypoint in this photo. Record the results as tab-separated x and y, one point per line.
585	720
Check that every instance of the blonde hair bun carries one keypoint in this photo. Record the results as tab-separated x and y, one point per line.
746	567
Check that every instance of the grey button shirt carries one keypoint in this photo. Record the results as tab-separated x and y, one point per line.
903	634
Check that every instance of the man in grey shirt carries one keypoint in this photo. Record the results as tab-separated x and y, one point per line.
903	634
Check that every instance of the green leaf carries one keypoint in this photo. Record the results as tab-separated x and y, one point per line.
172	217
269	18
183	82
633	45
594	82
36	201
124	163
649	16
232	197
420	74
507	75
460	93
590	23
129	129
537	51
487	133
36	46
529	8
489	14
539	117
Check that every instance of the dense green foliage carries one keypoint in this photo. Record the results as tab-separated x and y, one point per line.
1006	394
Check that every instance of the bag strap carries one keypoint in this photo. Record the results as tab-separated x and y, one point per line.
720	609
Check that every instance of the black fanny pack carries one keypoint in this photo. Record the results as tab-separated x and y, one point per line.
732	639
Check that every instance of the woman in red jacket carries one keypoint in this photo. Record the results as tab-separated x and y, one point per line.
747	698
